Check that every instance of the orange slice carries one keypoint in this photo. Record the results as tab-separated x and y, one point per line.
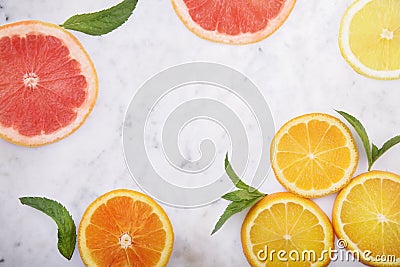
366	214
289	223
314	155
48	84
233	22
125	228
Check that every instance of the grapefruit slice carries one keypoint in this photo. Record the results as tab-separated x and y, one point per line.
233	21
125	228
48	84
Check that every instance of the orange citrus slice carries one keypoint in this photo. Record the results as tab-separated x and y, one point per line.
48	83
369	38
289	223
314	155
125	228
366	214
233	22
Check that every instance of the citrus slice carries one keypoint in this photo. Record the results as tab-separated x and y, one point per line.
369	38
233	22
314	155
366	215
48	83
125	228
289	223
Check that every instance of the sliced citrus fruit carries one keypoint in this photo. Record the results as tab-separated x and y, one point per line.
125	228
314	155
233	22
48	83
369	38
289	223
366	214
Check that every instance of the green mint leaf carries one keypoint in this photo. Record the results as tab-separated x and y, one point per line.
247	196
65	224
232	209
239	195
389	144
372	153
362	133
235	179
101	22
377	153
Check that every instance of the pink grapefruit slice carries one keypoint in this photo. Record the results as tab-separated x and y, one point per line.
233	21
48	83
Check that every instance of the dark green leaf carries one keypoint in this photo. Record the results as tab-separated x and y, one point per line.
389	144
246	197
375	152
240	195
65	224
235	179
232	209
361	132
101	22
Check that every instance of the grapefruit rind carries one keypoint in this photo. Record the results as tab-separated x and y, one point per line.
332	188
348	54
337	208
77	52
244	38
278	198
84	251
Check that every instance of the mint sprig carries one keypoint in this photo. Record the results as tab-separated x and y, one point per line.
66	226
372	151
241	199
101	22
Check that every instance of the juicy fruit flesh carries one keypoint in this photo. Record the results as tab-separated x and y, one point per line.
233	17
289	227
373	207
375	35
124	232
41	85
313	155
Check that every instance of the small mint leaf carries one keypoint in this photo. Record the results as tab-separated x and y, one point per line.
66	226
389	144
235	178
240	195
246	197
362	133
232	209
377	153
101	22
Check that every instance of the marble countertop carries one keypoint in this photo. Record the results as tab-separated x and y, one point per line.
298	69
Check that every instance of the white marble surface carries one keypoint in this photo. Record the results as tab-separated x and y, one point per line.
299	69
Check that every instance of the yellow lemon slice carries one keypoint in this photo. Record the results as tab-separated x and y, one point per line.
369	38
